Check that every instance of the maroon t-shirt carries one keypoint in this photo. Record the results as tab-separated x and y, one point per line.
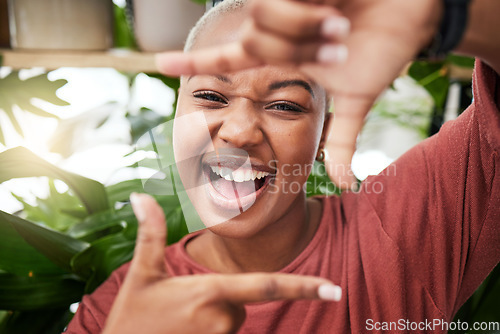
409	248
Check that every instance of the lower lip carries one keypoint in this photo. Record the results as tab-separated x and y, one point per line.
240	204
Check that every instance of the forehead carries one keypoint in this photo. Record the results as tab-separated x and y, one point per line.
221	29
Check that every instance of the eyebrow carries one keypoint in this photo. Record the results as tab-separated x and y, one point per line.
274	86
218	77
288	83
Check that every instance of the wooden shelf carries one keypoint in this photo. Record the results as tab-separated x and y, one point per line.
122	60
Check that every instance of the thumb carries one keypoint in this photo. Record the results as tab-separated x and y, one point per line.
348	120
148	262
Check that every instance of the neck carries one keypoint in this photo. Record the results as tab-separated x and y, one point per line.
271	249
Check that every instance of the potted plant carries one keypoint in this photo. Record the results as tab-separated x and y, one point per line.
164	25
61	24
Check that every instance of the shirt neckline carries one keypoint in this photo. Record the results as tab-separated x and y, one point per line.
321	232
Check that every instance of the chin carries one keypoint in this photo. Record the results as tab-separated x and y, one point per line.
244	226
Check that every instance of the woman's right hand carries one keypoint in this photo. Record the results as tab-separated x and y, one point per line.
150	301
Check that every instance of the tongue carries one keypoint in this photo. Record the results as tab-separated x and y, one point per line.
234	190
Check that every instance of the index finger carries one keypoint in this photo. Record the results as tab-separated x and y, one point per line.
348	120
225	58
260	287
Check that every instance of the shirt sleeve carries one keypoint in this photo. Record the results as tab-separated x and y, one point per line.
440	202
94	308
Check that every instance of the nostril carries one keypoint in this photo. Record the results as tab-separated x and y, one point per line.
241	134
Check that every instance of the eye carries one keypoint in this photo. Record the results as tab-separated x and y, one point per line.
210	96
286	106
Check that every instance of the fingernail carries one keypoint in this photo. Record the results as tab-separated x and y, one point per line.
330	292
136	201
335	27
329	53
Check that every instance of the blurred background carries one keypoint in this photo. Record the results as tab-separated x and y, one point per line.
78	89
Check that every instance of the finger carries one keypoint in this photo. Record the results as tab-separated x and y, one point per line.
299	21
272	48
349	117
148	262
226	58
259	287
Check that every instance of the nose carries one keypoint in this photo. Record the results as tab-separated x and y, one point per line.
241	125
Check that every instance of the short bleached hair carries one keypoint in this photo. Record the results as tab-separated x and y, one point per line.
223	8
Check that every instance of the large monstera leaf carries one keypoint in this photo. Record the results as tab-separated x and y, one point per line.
16	92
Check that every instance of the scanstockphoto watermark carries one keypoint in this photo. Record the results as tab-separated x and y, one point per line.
430	325
316	185
321	182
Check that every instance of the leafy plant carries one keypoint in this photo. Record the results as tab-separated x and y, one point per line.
435	78
15	92
46	268
68	243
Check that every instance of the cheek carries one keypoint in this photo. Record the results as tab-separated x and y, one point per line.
191	134
297	150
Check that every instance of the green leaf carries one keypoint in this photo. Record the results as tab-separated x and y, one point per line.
50	211
176	224
102	224
98	261
20	162
482	306
433	77
145	121
57	247
173	83
120	192
50	321
37	292
319	183
18	256
123	34
76	213
17	92
109	252
25	105
2	137
10	114
461	61
35	87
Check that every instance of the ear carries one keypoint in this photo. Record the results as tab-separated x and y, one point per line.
326	126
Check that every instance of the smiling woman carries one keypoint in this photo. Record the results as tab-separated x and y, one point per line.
266	118
415	247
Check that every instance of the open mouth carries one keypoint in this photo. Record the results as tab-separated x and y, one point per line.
235	181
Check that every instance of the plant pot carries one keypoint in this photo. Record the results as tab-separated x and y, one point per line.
61	24
161	25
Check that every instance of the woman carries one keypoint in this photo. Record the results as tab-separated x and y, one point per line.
406	256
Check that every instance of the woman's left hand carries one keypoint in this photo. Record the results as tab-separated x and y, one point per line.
384	36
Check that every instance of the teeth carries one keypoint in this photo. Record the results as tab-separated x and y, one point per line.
238	175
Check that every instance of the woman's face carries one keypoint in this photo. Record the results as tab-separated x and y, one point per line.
245	143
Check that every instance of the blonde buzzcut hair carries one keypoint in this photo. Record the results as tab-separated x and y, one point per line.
223	8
